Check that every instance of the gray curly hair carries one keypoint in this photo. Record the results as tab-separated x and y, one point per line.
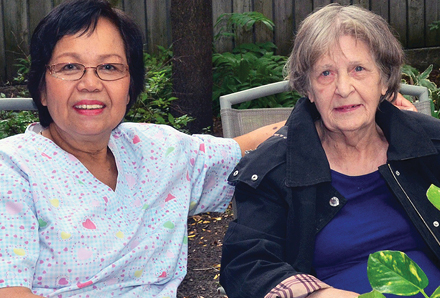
322	29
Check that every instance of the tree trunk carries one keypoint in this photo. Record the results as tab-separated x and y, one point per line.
192	31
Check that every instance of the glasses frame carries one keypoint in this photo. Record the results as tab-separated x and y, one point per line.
54	74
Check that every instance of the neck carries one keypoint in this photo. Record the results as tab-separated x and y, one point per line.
355	152
93	154
79	147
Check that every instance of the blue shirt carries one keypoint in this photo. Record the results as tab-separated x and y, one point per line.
372	220
63	233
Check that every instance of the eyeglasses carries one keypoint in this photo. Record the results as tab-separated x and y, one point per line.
75	71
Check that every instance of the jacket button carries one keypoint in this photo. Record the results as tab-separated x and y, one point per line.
235	173
334	202
435	224
254	177
397	173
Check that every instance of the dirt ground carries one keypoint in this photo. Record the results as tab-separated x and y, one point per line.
205	232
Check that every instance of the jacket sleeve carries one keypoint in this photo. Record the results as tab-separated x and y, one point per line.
253	259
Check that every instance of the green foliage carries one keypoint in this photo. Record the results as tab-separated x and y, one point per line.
230	23
412	76
395	273
434	25
24	64
14	122
153	105
433	194
248	65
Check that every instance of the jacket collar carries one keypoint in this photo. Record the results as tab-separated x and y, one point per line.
406	137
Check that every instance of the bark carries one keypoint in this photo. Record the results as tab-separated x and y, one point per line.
192	32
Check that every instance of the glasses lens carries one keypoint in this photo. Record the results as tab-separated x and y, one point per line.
67	71
111	71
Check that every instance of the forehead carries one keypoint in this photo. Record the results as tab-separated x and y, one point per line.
346	49
102	41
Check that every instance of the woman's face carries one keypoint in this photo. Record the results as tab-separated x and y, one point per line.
346	86
89	107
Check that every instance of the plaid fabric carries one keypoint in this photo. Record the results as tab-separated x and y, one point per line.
297	286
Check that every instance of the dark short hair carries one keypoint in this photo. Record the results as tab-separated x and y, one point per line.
81	16
323	28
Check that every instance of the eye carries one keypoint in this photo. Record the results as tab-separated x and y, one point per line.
325	73
358	68
109	67
70	67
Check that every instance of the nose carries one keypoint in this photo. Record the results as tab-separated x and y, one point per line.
344	86
90	80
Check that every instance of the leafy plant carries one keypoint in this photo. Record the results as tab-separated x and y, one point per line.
248	65
14	122
153	105
395	273
24	64
229	24
412	76
434	25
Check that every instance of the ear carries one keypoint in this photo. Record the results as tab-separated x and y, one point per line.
43	99
310	97
384	90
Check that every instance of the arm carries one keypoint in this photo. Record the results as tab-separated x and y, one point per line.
17	292
254	260
253	257
254	138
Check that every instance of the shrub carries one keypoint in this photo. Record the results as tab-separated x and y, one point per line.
412	76
248	65
153	105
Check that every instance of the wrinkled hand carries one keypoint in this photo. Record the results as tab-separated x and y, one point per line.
404	104
332	293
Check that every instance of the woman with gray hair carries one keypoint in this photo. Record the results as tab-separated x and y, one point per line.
347	176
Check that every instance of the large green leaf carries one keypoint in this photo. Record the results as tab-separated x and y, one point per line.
372	294
424	75
394	272
436	293
433	194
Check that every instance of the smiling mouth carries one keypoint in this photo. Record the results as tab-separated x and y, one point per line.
347	108
89	107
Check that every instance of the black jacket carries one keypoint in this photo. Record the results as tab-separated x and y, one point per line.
284	196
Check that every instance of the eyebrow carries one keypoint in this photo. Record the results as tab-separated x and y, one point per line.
76	56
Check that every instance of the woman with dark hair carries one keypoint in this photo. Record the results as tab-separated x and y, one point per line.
348	174
91	206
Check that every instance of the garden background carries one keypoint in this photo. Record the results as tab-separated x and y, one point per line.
409	18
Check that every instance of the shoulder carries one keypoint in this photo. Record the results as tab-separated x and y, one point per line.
429	124
20	143
255	165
